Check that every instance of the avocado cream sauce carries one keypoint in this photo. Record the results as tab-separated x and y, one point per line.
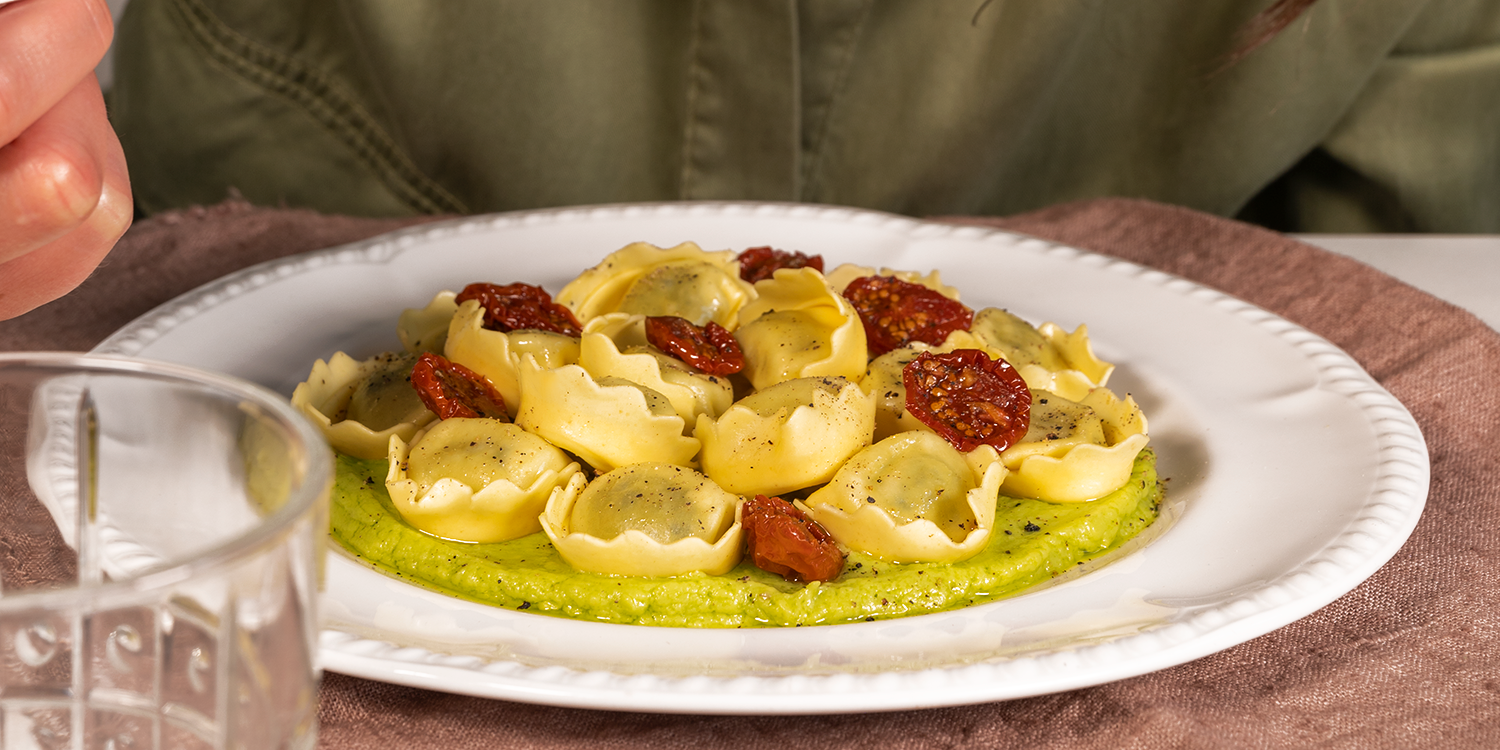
1033	541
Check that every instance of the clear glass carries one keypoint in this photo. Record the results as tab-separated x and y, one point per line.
161	543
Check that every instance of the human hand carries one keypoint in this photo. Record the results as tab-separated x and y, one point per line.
64	191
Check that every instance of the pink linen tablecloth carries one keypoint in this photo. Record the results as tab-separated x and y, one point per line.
1411	658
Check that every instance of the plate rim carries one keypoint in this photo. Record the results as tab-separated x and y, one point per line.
1390	514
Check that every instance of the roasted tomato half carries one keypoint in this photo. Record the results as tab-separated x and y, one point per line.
781	539
968	398
760	263
710	348
896	313
520	306
451	390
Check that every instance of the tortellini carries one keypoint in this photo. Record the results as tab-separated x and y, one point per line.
608	423
690	391
799	327
1075	451
1044	464
883	383
426	330
646	520
840	277
912	498
360	405
643	279
497	354
626	330
1047	357
792	435
475	480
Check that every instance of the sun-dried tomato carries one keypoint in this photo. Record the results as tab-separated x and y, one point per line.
520	306
968	398
450	390
759	263
711	349
781	539
896	313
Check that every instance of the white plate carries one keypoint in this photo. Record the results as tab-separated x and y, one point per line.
1292	475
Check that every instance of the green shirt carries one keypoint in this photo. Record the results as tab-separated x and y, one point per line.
1363	115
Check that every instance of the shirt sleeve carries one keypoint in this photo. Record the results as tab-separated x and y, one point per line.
1419	149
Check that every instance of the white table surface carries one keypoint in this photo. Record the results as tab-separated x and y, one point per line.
1461	269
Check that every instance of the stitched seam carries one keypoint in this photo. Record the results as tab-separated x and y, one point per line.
696	72
361	46
313	91
815	155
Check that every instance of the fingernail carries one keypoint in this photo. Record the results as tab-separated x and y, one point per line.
114	213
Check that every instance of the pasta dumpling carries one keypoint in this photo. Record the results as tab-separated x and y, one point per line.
426	329
792	435
1075	451
608	423
912	498
626	330
1048	357
359	406
840	277
798	327
646	520
690	392
496	354
883	383
475	480
643	279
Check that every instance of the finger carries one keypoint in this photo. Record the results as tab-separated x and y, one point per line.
50	272
48	47
53	174
54	268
